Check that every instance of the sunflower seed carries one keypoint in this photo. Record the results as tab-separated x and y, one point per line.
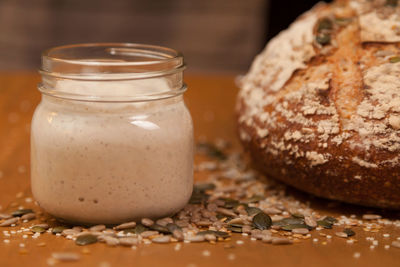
110	241
216	233
164	221
371	217
86	239
128	241
341	234
308	220
97	228
125	226
162	239
226	212
147	222
5	216
210	237
19	213
67	232
178	234
9	222
300	231
396	244
66	256
147	234
196	238
28	216
266	238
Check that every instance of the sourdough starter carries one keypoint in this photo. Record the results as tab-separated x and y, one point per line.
96	162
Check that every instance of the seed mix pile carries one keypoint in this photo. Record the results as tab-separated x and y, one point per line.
234	200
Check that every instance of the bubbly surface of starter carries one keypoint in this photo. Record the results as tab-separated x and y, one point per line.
108	163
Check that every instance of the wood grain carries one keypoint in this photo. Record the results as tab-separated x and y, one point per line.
211	101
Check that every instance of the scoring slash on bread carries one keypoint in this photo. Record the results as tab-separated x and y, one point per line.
320	107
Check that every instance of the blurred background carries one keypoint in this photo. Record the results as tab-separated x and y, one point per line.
214	35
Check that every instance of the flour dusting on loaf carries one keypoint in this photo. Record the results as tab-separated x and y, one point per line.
322	101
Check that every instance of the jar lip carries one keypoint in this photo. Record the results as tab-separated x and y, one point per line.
110	61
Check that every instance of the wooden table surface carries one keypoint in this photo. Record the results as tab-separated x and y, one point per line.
211	101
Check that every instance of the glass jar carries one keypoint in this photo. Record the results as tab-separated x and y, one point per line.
112	139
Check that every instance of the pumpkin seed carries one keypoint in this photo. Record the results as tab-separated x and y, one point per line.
325	24
204	187
262	221
159	228
198	197
325	224
298	215
211	150
216	233
9	222
230	203
140	228
58	229
19	213
349	232
84	240
394	59
330	219
171	227
323	39
234	229
288	221
290	227
252	210
38	229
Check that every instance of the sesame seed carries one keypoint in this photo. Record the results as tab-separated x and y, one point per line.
239	242
386	235
387	246
231	256
356	255
315	240
6	241
206	253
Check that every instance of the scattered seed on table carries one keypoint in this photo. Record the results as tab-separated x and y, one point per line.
206	253
196	238
28	216
87	239
4	216
128	241
58	229
66	256
20	212
38	229
147	222
371	216
97	228
147	234
162	239
125	226
300	231
396	244
9	222
341	234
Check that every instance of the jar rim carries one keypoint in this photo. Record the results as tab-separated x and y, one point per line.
108	62
93	61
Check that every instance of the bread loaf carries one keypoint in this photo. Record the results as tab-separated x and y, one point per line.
320	107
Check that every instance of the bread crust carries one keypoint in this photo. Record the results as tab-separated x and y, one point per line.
324	117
